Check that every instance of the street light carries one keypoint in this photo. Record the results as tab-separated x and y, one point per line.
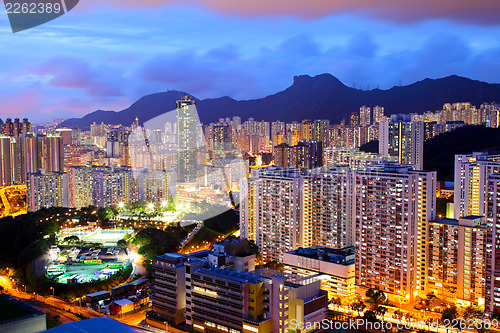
52	291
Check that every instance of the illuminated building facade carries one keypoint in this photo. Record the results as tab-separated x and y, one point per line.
393	205
492	294
327	206
456	260
471	179
46	189
272	214
402	138
187	120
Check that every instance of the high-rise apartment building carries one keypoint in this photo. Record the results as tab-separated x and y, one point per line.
305	155
327	206
112	186
79	186
271	211
354	158
321	131
47	189
492	294
456	251
471	180
221	137
402	138
187	129
393	205
378	113
364	116
72	156
354	120
51	153
6	174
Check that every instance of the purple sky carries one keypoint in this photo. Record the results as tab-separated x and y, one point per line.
107	54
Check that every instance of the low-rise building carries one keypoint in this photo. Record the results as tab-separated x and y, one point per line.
217	292
335	267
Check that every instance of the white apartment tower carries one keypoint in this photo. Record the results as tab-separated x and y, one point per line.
365	116
378	113
471	180
402	138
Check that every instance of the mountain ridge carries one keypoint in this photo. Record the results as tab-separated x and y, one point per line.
309	97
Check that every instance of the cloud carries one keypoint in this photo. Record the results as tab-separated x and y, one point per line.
362	45
21	102
482	12
73	73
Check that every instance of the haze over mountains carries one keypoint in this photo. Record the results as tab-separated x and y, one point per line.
319	97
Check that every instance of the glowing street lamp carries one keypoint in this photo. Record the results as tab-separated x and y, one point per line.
151	206
121	205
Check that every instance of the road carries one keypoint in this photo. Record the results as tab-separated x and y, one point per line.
6	202
134	319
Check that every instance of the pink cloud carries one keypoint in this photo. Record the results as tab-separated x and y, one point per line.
21	102
74	73
478	11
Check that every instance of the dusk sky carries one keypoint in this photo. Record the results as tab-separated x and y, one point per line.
107	54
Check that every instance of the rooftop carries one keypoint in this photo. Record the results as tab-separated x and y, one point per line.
344	256
10	309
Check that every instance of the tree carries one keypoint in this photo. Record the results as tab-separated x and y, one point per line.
370	316
398	314
470	312
376	297
71	239
276	265
358	306
449	314
380	311
335	301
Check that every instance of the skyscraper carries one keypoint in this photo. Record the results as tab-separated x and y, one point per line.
402	138
186	139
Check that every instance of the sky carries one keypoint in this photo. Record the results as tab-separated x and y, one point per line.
106	54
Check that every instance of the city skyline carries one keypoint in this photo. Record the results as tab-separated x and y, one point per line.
106	55
218	166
